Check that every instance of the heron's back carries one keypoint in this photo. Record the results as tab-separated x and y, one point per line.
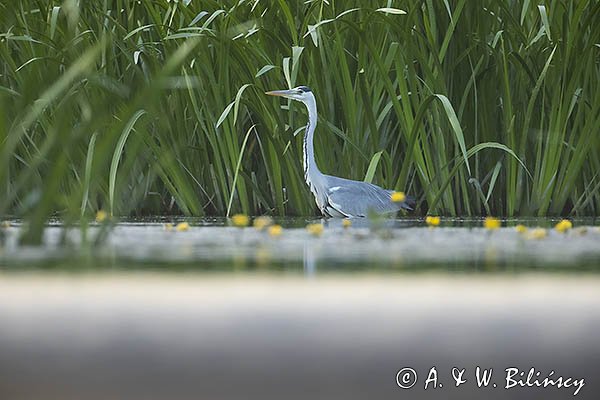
357	199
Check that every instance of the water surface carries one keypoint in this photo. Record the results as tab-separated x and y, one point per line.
384	246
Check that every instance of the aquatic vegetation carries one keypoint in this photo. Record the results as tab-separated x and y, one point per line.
398	197
563	226
262	222
431	220
240	220
315	229
521	228
160	107
168	227
101	216
537	233
182	227
492	223
275	230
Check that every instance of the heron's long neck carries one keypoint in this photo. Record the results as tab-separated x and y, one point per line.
311	171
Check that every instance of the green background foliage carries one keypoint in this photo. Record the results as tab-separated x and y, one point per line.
158	107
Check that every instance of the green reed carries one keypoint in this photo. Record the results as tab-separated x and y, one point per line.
157	107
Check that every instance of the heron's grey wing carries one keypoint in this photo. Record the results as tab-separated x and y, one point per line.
358	199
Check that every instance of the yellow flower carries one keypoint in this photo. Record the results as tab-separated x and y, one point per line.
564	225
168	227
182	226
521	228
537	233
101	216
346	223
262	222
398	197
240	220
491	223
432	221
275	230
315	229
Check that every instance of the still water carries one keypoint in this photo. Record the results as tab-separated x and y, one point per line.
136	310
210	244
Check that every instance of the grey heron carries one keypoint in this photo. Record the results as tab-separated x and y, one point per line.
339	197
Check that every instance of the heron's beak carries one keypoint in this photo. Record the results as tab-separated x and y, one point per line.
281	93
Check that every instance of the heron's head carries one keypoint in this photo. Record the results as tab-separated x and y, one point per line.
300	93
